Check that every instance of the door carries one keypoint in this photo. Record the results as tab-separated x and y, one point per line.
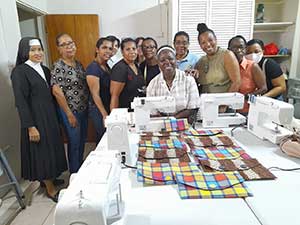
84	30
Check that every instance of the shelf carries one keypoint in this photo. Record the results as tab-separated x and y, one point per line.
272	26
276	56
269	2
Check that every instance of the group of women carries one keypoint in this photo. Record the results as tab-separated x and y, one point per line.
69	93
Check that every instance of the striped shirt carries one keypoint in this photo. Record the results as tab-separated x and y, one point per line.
184	90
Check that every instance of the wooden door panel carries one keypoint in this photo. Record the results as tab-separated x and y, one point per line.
54	25
87	34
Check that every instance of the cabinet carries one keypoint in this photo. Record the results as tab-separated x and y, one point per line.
278	27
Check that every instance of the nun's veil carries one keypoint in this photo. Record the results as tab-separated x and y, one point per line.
23	50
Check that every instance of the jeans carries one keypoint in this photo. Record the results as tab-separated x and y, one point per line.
76	138
97	120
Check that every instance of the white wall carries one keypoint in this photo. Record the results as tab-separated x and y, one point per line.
9	122
119	17
295	64
37	5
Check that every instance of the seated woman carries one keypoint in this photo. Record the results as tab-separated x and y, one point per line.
252	77
127	80
274	76
173	82
219	69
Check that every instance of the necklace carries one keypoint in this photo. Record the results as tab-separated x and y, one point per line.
206	66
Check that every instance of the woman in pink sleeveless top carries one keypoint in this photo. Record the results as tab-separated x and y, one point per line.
252	77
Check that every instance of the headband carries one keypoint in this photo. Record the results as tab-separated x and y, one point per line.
166	48
34	42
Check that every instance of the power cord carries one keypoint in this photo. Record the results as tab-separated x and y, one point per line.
283	169
128	166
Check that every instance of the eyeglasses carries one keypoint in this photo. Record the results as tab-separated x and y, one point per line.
67	44
150	47
237	48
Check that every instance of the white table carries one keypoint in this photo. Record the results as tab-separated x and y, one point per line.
161	205
275	202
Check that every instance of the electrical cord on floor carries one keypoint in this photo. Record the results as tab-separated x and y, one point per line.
283	169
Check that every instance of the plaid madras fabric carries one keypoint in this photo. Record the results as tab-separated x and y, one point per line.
162	173
163	156
176	125
208	141
220	152
211	185
250	169
159	134
193	132
162	144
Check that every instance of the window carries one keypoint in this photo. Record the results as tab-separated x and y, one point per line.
226	17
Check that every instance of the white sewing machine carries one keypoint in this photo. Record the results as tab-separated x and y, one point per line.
265	117
143	108
93	195
209	109
118	135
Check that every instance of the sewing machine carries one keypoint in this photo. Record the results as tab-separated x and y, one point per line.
209	109
266	115
93	195
117	135
143	108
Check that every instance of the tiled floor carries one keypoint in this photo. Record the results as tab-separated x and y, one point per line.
39	209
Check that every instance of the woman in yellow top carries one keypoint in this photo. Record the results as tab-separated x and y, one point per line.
219	68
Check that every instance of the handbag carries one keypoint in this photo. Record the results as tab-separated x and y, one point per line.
162	173
163	156
291	145
211	185
250	169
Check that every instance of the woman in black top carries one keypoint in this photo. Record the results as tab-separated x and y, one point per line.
127	81
274	76
42	150
98	78
150	66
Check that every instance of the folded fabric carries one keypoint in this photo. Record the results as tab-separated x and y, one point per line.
163	156
160	134
211	185
176	125
220	152
163	144
162	173
209	141
204	133
250	169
